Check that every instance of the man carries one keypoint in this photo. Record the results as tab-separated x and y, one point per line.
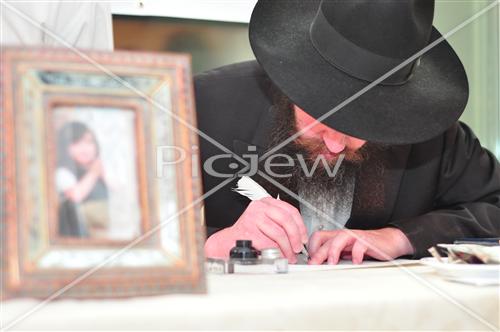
411	175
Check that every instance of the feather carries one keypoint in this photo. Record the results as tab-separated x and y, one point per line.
251	189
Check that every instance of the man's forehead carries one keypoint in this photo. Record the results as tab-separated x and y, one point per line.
303	118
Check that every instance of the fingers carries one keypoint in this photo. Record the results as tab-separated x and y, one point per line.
270	223
358	252
333	245
321	254
294	213
285	221
318	238
340	242
348	244
278	235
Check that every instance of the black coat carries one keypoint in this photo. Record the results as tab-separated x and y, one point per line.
435	192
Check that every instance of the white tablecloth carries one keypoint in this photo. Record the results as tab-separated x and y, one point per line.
385	298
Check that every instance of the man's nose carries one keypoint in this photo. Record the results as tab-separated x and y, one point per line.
334	141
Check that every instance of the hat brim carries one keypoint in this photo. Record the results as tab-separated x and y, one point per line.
424	107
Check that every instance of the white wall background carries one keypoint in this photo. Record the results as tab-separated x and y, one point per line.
214	10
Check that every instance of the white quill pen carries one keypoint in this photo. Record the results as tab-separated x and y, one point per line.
251	189
247	187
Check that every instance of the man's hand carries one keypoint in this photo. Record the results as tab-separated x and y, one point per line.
269	223
382	244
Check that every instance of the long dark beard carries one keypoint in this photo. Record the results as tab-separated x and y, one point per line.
365	164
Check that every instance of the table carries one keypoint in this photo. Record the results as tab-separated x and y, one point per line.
386	298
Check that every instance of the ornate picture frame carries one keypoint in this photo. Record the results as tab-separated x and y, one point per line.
88	200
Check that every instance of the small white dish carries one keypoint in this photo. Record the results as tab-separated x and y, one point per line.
477	274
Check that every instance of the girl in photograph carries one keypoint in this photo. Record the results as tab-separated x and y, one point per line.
81	184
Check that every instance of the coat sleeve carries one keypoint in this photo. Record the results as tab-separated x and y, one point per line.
467	202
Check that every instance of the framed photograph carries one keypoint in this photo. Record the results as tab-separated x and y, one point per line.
95	198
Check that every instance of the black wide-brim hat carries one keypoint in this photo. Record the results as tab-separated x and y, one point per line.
416	110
